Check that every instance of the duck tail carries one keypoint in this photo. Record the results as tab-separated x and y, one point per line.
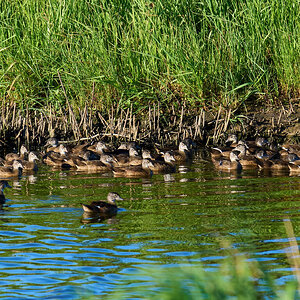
87	208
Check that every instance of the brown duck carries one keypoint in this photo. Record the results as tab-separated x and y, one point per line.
165	166
30	164
102	165
233	163
103	207
10	157
135	171
11	171
183	153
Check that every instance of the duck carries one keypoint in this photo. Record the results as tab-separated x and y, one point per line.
99	148
132	158
291	148
183	153
3	184
10	157
294	166
52	145
103	207
142	170
217	153
57	158
14	170
233	163
257	144
166	166
248	161
104	164
30	164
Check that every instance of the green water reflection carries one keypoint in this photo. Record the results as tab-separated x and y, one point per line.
48	248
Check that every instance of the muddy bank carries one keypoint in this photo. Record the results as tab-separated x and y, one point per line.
151	125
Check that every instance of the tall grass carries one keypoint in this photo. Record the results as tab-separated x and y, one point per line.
206	53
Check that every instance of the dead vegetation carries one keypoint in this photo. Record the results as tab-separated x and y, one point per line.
150	125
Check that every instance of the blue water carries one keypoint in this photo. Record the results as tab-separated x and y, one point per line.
49	249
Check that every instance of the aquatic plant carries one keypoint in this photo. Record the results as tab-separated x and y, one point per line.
236	278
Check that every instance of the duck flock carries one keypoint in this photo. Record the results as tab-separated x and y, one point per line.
258	154
130	160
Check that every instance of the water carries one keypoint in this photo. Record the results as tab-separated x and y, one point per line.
49	249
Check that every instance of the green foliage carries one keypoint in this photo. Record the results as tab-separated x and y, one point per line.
236	278
133	52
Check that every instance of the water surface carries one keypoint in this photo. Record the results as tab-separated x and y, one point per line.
50	249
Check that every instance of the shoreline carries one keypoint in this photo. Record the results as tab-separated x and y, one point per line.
150	126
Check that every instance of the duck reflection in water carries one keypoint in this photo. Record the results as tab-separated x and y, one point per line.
101	210
88	218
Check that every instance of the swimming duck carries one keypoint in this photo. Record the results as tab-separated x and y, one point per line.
132	158
3	184
166	166
31	164
228	165
259	143
104	164
10	157
142	170
102	207
294	166
183	153
247	161
217	153
100	148
11	171
57	158
295	148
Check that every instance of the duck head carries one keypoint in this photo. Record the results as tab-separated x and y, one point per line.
146	154
234	156
168	157
232	139
62	150
147	164
112	197
52	142
32	157
183	147
23	150
133	152
101	147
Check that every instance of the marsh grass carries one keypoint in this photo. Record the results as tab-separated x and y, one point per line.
132	53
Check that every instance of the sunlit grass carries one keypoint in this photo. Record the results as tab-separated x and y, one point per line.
132	52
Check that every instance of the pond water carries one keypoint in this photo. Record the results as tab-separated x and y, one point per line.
50	250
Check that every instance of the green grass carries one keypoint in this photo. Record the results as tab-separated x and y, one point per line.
207	53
